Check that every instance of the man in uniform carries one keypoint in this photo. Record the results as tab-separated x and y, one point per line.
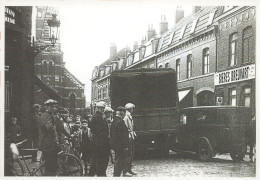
101	145
48	138
119	140
132	135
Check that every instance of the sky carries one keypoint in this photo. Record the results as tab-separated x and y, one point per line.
87	29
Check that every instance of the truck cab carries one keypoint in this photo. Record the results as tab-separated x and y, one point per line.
214	129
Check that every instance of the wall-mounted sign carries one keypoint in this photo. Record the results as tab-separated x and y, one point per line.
235	75
9	15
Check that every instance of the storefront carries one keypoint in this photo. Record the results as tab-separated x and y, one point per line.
236	87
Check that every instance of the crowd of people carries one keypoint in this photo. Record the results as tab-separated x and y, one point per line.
107	135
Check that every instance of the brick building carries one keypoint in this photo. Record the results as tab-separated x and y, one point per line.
194	48
235	76
50	68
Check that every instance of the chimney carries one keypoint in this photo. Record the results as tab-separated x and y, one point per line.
163	24
196	9
135	45
179	14
113	50
151	32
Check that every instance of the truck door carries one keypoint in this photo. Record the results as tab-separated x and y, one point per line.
183	137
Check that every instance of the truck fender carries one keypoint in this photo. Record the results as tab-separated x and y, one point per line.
211	148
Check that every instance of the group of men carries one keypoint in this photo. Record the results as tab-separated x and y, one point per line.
111	133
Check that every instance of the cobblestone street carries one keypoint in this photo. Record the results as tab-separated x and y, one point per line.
185	164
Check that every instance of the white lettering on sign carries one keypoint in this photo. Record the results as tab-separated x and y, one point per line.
9	15
235	75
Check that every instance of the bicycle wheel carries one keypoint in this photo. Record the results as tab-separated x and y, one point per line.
18	167
69	165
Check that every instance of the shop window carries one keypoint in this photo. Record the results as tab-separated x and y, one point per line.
232	96
233	49
189	66
178	69
248	44
247	96
205	69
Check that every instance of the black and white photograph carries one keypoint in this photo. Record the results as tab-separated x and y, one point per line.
127	88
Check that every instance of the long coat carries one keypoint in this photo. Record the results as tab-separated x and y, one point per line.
119	135
100	135
48	138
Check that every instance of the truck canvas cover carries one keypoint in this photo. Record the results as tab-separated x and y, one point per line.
146	88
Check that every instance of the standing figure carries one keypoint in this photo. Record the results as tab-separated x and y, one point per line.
119	140
35	124
86	146
48	138
132	135
101	145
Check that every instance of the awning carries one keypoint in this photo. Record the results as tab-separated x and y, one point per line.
46	89
182	94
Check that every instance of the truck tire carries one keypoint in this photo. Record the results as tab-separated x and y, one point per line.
204	150
237	156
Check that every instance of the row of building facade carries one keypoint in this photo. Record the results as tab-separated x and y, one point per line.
212	52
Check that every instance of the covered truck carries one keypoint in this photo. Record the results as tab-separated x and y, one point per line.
155	95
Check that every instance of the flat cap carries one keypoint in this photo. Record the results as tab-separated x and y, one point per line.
50	102
129	106
120	108
108	109
100	104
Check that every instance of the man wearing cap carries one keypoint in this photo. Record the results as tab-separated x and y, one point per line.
131	134
119	140
101	145
60	128
48	138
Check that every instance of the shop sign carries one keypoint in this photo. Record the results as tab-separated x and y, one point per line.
235	75
9	15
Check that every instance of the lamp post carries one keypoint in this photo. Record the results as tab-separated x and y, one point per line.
54	25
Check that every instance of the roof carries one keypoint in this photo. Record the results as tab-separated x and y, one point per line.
188	26
78	81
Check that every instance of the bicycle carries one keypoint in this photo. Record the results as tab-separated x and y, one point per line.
69	165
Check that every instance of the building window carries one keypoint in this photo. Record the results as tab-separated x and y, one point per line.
205	69
233	49
51	67
57	79
45	67
178	69
247	44
247	96
104	92
72	100
160	66
167	65
189	66
232	96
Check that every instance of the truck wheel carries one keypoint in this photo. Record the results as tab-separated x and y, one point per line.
204	150
237	156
